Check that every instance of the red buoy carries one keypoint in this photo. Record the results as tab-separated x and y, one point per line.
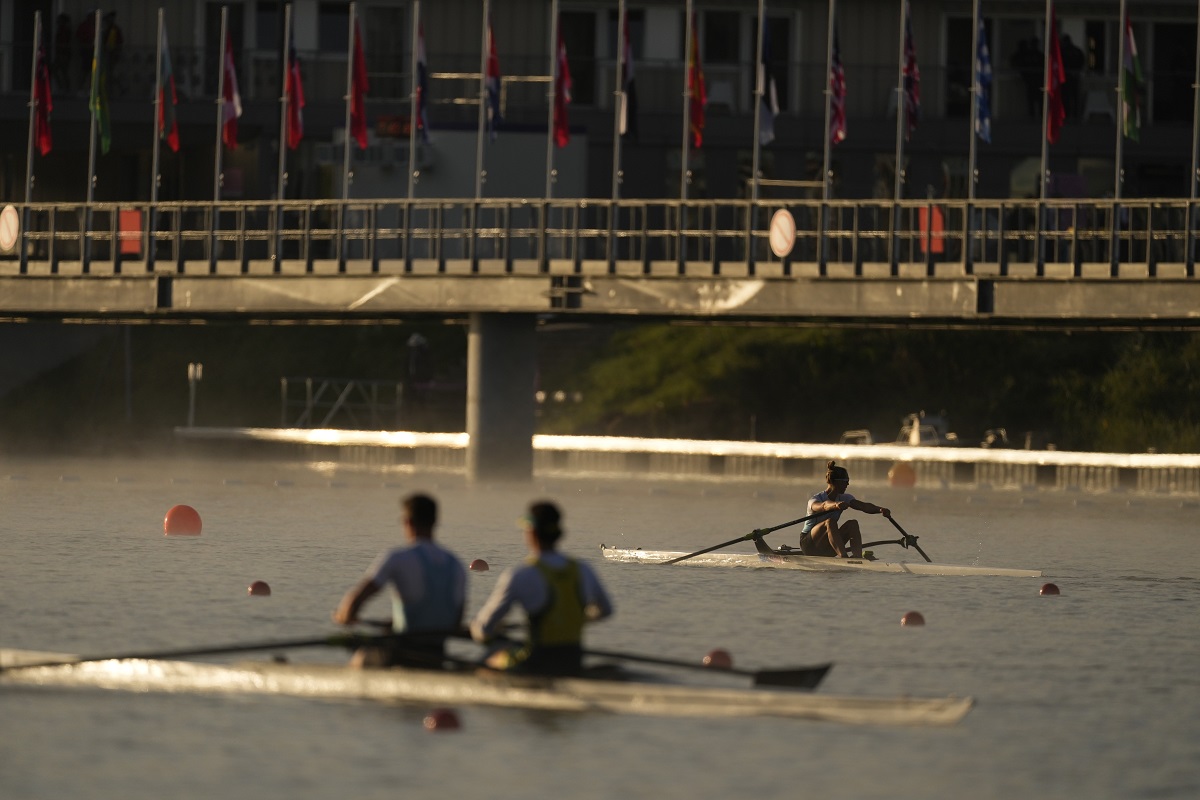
902	476
441	719
1049	588
259	588
479	565
181	521
912	618
719	659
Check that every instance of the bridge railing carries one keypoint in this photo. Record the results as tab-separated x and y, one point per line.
1029	238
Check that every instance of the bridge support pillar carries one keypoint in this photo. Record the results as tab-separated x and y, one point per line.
501	372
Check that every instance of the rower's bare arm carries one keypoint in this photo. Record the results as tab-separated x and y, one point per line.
347	610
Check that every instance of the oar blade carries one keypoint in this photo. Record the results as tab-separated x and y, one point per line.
795	678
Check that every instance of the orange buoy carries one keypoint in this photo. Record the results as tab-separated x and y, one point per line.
441	719
181	521
479	565
260	588
902	475
912	618
1049	588
719	659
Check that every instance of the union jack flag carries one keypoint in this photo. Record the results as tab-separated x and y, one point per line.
837	93
912	77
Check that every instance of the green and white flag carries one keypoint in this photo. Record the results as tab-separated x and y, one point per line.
1131	87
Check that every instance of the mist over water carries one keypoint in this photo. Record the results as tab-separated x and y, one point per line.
1089	694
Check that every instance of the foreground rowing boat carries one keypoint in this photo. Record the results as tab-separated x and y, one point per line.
796	560
473	688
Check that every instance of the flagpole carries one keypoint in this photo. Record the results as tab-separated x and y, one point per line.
972	176
828	147
1191	260
33	104
283	101
759	89
619	107
92	112
413	120
158	110
483	60
1119	172
553	97
687	105
893	238
349	96
1044	176
220	107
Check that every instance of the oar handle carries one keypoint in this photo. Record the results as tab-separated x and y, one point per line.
909	539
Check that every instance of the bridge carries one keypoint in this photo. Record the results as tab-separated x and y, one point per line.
503	263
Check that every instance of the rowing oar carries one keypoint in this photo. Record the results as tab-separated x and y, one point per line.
747	537
907	540
333	640
794	677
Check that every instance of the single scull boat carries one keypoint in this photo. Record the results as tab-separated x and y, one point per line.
474	688
785	559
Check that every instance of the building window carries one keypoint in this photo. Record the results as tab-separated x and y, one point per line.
720	37
578	34
333	27
1172	73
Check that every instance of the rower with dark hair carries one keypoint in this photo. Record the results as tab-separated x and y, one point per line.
428	586
558	594
826	535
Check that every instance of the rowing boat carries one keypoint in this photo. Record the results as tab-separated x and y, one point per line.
784	559
473	688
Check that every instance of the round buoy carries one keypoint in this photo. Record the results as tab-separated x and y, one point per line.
479	565
719	659
441	719
181	521
912	618
259	588
902	475
1049	588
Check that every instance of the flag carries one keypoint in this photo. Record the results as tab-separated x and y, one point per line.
1131	87
697	98
293	88
629	95
358	91
422	87
492	84
1055	77
983	87
98	97
43	104
562	94
231	104
837	94
912	77
168	124
768	107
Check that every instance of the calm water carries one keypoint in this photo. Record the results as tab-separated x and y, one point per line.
1091	694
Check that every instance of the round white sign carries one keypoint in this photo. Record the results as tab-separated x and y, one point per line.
783	232
10	228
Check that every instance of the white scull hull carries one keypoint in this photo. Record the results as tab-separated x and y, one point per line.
724	558
469	688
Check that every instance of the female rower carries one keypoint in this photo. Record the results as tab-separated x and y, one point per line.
826	535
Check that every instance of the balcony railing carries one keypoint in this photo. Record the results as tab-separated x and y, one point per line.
1059	238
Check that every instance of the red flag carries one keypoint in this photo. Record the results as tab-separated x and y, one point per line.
232	102
492	83
358	89
42	103
1056	114
562	94
697	99
837	93
168	122
294	90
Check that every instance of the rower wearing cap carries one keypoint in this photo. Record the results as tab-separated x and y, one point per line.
558	594
826	535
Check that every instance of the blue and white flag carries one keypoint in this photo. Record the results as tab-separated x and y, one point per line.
983	88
